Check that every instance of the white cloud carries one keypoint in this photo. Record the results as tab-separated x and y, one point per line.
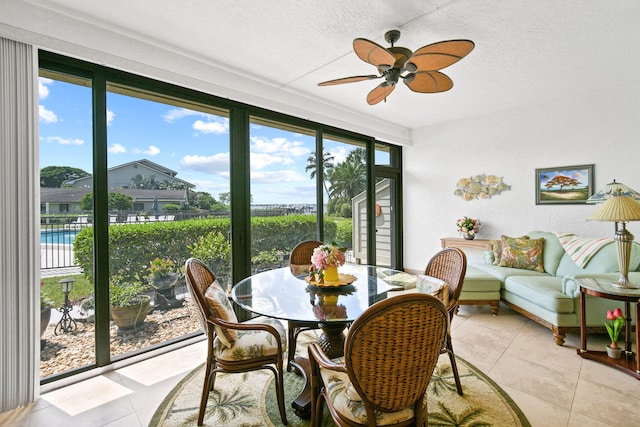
279	145
272	177
216	164
46	116
179	113
43	90
64	141
339	154
261	161
110	117
116	149
152	150
210	187
217	127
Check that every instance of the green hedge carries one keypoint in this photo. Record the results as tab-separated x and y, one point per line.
132	247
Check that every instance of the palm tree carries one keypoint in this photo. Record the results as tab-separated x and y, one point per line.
347	180
359	155
327	166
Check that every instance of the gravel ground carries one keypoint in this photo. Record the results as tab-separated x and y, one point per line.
75	349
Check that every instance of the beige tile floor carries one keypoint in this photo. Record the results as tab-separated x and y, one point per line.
551	384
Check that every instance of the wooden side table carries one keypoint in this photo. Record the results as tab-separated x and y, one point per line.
457	242
601	288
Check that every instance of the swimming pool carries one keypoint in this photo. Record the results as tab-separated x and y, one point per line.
58	237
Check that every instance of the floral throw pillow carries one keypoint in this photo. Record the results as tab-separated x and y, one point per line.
496	246
433	286
220	307
522	253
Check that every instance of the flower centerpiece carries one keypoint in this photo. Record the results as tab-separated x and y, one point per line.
326	259
468	227
330	311
616	322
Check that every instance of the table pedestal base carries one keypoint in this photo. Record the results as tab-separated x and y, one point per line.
331	341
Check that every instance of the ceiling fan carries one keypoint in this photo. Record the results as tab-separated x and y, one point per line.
418	70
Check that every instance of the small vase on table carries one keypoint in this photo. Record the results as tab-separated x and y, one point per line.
331	274
468	236
614	352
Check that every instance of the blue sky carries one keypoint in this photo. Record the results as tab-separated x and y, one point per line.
192	143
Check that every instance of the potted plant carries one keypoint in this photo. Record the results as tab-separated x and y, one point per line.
616	321
128	304
45	311
162	274
468	227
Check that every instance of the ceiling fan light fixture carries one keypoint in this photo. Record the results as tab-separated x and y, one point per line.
408	78
410	67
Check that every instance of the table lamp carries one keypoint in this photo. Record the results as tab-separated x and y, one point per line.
610	190
620	209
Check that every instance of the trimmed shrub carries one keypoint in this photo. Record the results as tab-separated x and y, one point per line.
344	234
132	247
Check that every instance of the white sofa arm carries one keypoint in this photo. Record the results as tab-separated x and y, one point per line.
570	286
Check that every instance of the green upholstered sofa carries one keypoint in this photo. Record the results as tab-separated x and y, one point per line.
552	298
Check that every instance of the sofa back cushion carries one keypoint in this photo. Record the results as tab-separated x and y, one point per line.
604	261
522	253
496	248
552	251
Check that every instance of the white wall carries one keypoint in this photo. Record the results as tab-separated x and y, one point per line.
601	127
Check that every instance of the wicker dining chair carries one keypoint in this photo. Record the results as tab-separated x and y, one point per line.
299	263
391	351
231	346
450	266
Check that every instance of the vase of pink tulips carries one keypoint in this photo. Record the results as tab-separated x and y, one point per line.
616	322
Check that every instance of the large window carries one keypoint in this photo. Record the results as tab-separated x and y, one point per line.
153	174
282	194
66	153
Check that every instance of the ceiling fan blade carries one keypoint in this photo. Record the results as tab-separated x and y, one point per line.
351	79
439	55
428	82
373	53
379	93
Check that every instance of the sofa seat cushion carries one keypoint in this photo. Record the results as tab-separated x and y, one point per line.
501	273
543	291
476	280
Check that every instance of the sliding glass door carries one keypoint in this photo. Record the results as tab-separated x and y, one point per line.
139	175
67	339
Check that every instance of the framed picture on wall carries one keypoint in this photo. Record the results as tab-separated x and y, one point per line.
564	185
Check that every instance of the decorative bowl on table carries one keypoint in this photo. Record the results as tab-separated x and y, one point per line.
322	282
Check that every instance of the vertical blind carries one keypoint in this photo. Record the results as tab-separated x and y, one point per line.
19	230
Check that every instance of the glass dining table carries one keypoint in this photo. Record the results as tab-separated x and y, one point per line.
282	295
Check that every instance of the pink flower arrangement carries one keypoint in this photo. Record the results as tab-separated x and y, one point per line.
328	312
467	225
614	326
327	256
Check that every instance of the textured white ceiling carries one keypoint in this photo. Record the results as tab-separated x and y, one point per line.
526	51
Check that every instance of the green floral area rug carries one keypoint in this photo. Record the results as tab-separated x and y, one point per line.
249	400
